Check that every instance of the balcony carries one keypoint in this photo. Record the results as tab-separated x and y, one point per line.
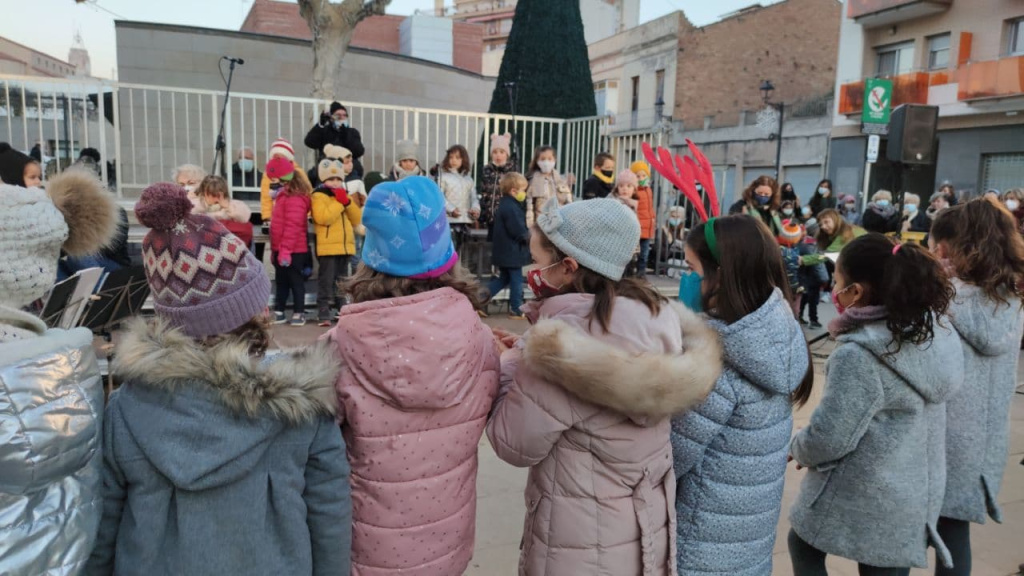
874	13
909	88
1000	78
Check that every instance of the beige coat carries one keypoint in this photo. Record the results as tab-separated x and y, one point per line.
601	491
542	188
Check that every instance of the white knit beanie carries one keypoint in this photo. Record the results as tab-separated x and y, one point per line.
601	234
407	150
32	231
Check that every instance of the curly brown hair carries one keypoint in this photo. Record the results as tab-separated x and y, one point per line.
367	285
843	229
908	282
214	186
986	249
459	149
604	289
256	332
748	193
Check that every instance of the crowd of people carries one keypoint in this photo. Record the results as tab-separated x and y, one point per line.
657	435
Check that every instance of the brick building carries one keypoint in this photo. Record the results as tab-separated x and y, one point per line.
380	33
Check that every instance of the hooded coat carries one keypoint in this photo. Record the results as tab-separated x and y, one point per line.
51	402
587	412
875	449
216	465
420	374
977	416
730	452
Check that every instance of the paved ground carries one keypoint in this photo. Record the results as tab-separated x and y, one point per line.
998	549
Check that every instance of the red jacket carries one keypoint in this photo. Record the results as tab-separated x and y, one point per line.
645	212
289	226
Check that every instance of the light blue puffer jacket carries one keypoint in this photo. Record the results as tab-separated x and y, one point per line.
730	453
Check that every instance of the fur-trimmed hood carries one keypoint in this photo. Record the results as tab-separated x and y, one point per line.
217	404
648	386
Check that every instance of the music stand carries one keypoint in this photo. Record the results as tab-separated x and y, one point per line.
60	299
123	294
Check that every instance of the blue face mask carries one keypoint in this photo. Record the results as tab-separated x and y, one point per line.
689	291
762	200
340	123
882	203
674	222
246	165
911	208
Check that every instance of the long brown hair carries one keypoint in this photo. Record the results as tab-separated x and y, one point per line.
459	149
533	168
909	282
299	184
843	229
986	249
748	193
367	285
745	275
604	289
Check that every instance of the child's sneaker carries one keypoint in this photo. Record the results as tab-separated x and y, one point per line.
481	313
298	320
814	326
280	318
802	321
324	323
516	316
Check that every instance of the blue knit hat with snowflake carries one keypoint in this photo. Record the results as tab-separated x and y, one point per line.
407	232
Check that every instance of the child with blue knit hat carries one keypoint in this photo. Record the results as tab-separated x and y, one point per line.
419	375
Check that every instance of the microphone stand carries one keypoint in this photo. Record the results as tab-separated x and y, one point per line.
218	155
513	95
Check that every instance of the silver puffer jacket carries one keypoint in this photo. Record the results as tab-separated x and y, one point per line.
51	405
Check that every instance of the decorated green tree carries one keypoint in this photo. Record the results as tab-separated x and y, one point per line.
546	57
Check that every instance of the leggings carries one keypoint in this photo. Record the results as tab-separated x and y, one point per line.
956	535
291	281
809	561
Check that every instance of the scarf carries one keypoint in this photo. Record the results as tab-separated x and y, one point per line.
603	178
854	318
402	174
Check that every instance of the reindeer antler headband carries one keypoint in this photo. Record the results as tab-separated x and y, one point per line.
684	173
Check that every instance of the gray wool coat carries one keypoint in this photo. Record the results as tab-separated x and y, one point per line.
875	449
978	415
730	452
216	465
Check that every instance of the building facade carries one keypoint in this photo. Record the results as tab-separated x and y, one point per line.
20	60
964	56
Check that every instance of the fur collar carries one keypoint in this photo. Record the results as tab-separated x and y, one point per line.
295	387
647	385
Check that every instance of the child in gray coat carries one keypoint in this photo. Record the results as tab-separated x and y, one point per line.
875	446
988	316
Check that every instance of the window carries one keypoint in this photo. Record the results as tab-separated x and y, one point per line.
636	94
1002	171
895	59
659	83
938	52
601	97
1016	37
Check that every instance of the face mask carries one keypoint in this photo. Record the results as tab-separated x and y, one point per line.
882	203
246	165
189	188
1012	205
674	222
824	191
643	183
835	300
806	211
340	123
787	211
540	287
608	173
763	200
520	196
546	166
911	208
690	291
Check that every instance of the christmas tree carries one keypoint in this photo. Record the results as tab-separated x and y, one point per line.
546	57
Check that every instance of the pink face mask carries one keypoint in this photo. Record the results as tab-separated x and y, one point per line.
835	300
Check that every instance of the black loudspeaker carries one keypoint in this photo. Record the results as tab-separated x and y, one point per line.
912	134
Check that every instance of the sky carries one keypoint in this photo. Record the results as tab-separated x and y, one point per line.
49	25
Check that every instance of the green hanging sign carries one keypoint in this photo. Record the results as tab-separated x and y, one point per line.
877	101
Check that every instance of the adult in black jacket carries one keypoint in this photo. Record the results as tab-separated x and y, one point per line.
823	199
915	219
334	128
244	173
881	215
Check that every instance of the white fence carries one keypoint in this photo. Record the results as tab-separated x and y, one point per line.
144	132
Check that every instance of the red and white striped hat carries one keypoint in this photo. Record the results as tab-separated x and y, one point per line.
284	148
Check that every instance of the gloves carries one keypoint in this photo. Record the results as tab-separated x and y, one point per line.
325	119
266	227
341	196
275	189
284	259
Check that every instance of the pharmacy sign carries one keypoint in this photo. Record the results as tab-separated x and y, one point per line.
877	101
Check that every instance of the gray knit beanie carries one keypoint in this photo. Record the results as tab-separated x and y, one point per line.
601	234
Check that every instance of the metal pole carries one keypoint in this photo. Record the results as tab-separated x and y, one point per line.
778	145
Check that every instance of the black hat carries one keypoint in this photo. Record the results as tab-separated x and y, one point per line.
335	106
12	165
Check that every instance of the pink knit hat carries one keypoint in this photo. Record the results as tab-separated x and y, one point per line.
627	177
203	278
282	147
501	142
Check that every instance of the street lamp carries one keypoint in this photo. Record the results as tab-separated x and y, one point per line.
767	88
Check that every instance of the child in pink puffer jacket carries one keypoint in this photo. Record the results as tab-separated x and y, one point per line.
419	375
289	229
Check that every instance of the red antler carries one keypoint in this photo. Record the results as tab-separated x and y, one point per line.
705	175
684	173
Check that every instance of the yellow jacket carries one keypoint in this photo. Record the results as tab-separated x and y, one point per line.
266	202
335	224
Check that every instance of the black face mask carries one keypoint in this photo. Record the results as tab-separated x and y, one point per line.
276	186
608	173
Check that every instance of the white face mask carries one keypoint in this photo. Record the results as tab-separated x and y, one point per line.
824	191
546	166
189	188
1012	205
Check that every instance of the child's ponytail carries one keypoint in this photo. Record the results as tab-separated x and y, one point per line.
903	278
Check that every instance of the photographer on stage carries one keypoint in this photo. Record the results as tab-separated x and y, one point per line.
334	128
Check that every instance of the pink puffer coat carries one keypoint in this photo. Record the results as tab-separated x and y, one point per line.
601	491
420	374
289	228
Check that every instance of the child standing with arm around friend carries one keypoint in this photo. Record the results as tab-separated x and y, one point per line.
984	254
587	393
875	448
